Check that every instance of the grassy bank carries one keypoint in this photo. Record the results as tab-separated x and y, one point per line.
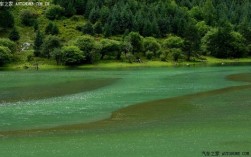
45	64
208	61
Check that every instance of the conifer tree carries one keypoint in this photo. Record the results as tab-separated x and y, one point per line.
38	43
52	29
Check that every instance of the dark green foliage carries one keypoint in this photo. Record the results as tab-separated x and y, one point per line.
52	29
94	15
89	48
8	43
72	55
97	28
7	19
224	43
209	12
176	54
27	17
14	35
151	45
173	42
69	6
50	43
38	43
88	29
136	41
110	48
57	54
54	12
188	28
5	55
35	26
192	40
149	55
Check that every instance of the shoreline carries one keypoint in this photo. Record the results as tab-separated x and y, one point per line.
210	61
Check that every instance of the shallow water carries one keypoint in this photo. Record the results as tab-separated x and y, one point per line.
148	112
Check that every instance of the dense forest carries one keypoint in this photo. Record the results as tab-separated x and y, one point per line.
127	30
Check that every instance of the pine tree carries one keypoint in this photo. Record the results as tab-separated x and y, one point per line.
38	43
52	29
147	29
209	12
97	28
94	15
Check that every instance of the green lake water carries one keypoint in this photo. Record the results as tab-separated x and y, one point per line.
136	112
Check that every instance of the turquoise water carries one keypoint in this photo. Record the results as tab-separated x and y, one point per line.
217	122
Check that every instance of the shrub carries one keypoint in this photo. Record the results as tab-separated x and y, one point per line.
88	46
85	43
72	55
224	43
130	57
30	58
52	29
27	17
8	43
14	35
57	54
136	40
87	28
97	28
110	48
5	55
176	53
50	43
173	42
149	54
54	12
151	44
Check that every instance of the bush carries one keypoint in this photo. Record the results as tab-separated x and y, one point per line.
149	54
136	40
79	27
85	43
151	44
173	42
57	54
54	12
130	57
30	58
14	35
97	28
111	48
50	43
224	43
176	54
87	28
52	29
5	55
88	46
164	54
8	43
27	17
72	55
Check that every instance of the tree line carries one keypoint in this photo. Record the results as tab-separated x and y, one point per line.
163	29
210	27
